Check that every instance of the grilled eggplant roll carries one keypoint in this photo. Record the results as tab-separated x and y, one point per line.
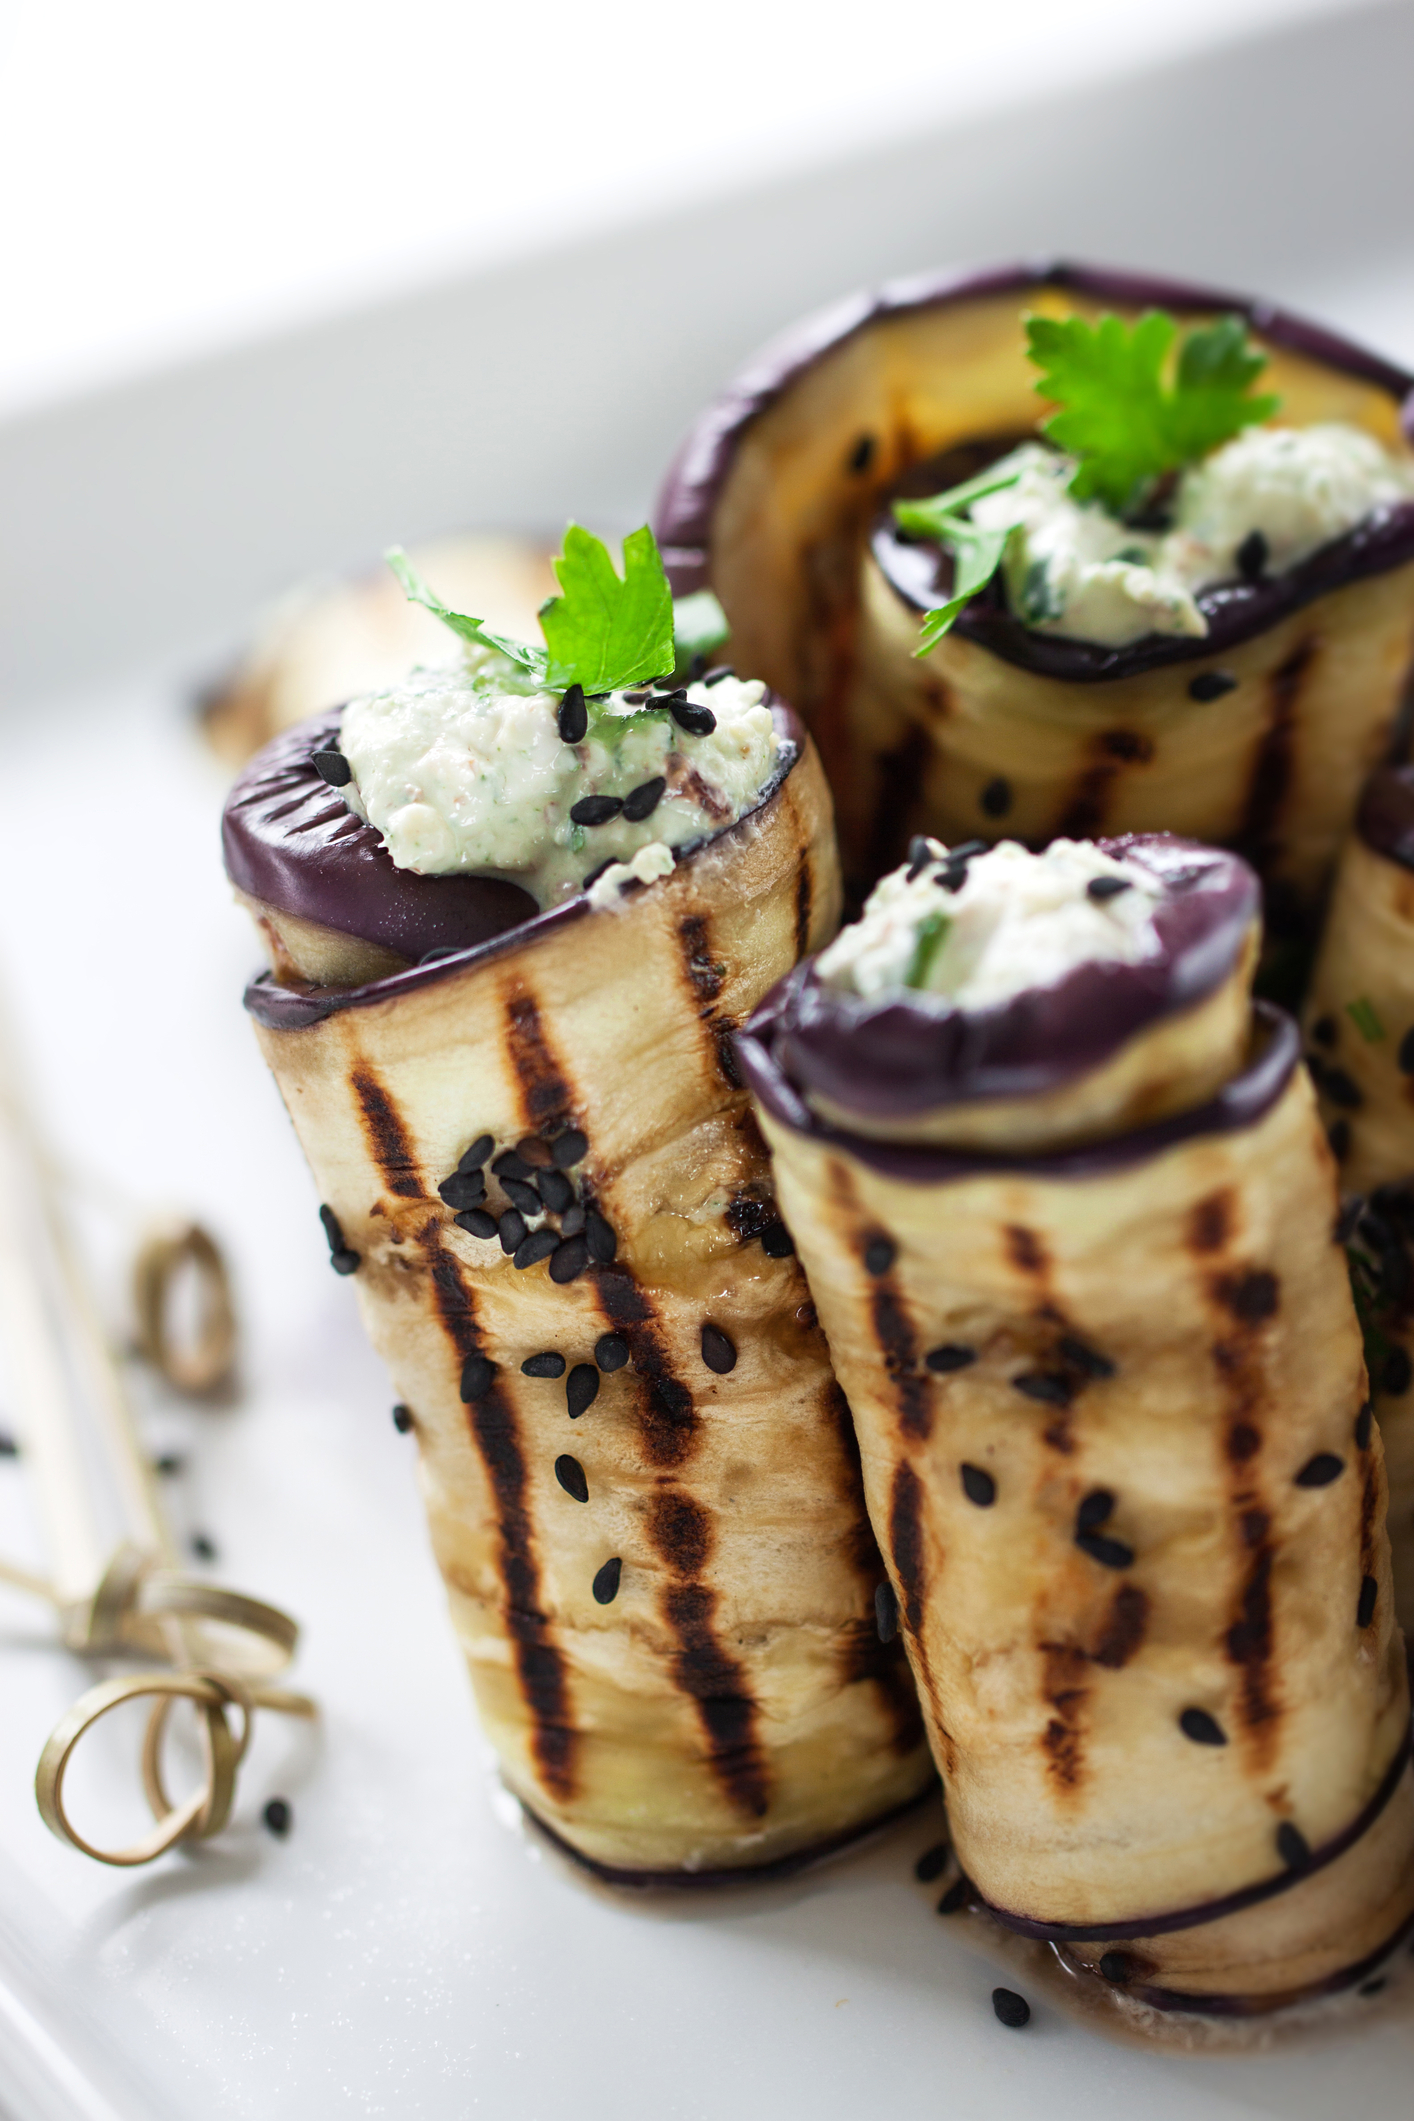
539	1165
1248	715
1111	1407
1360	1045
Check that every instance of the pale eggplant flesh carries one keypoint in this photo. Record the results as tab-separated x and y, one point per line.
1111	1405
640	1475
1000	730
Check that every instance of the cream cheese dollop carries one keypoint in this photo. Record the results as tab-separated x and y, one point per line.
979	930
1073	568
462	770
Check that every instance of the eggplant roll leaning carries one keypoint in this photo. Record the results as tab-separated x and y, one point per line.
1254	731
539	1164
1111	1408
1360	1046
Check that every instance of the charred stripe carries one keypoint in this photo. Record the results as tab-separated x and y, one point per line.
893	1332
387	1136
667	1415
804	896
714	1679
544	1084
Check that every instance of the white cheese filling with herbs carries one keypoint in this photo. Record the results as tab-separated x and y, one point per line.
463	771
1016	921
1073	568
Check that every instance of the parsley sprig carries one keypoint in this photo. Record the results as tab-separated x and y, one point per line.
1117	414
603	631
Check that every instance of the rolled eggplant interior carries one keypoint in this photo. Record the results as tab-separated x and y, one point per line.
1112	1410
1205	630
1359	1023
512	926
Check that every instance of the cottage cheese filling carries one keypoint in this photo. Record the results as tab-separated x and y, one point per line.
979	930
462	770
1073	568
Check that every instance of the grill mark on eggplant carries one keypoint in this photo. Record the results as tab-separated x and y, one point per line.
544	1083
1026	1250
898	1349
1249	1641
1084	814
667	1418
1124	1628
386	1135
714	1679
862	1656
706	977
907	1554
1369	1518
804	897
1062	1741
681	1530
540	1665
1271	768
1210	1224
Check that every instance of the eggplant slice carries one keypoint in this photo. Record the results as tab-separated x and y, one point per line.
1110	1402
639	1472
775	500
1359	1023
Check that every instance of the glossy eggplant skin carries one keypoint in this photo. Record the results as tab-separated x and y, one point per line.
775	499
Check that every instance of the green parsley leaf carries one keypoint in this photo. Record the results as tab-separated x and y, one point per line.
932	934
1365	1017
927	517
417	592
1117	413
699	629
977	554
603	632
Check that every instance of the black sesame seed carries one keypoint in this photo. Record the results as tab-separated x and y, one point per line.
595	809
1202	1728
570	1474
478	1376
862	454
278	1817
879	1255
1110	1553
777	1242
1369	1596
1117	1967
479	1222
1087	1359
1405	1055
581	1389
606	1584
167	1465
1341	1089
637	694
919	856
610	1352
333	767
509	1165
1095	1509
538	1245
996	797
885	1612
950	1356
932	1863
203	1547
341	1258
1252	557
549	1364
568	1148
1339	1138
464	1189
697	721
641	802
572	718
1325	1031
1364	1423
1397	1372
1320	1471
696	667
344	1261
718	1352
511	1229
571	1258
1052	1390
599	1238
572	1221
402	1418
1011	2009
952	876
1101	888
555	1190
1211	685
967	850
978	1486
714	677
522	1196
1292	1846
956	1897
473	1158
